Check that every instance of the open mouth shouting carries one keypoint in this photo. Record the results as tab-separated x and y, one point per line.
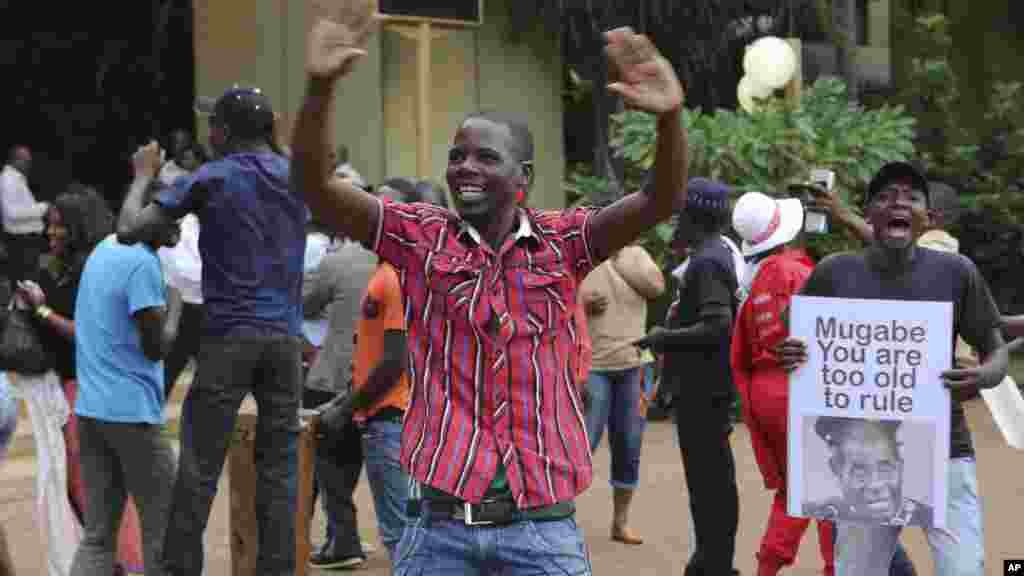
899	227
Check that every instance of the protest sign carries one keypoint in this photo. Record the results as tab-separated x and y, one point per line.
868	416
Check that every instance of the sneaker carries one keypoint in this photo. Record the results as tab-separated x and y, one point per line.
327	561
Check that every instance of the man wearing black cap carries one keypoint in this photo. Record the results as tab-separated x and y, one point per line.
866	458
893	267
698	374
252	245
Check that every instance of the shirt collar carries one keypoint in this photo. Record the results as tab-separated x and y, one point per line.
525	229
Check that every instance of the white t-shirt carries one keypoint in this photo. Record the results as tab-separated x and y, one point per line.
183	268
21	213
317	246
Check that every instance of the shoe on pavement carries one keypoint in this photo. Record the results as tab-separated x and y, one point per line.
327	561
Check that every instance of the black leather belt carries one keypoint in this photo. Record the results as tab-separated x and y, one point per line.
488	512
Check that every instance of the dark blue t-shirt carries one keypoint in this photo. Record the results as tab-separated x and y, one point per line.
252	241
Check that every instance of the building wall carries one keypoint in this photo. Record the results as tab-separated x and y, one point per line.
374	112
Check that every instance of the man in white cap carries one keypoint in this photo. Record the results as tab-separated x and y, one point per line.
770	230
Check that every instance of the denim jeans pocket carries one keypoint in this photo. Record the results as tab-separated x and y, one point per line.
556	537
409	543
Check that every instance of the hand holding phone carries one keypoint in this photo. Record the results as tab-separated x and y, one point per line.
815	219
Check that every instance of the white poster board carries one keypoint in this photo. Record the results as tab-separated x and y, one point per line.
869	417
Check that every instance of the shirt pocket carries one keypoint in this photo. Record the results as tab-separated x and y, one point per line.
547	295
452	285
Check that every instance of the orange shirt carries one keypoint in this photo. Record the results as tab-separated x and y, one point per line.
381	311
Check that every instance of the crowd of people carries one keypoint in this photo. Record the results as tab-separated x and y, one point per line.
469	357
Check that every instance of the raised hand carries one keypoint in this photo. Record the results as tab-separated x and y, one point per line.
339	36
646	79
147	160
31	294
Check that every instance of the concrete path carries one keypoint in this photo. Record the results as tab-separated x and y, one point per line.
660	513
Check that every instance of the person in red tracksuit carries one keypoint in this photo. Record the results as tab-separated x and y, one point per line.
769	228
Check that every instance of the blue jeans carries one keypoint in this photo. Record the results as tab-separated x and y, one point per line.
617	399
8	415
958	549
270	367
382	445
535	548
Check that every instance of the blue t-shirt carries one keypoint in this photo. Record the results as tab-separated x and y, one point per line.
116	382
252	241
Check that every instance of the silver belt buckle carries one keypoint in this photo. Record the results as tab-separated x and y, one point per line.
467	513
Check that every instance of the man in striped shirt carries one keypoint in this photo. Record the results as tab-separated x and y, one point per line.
494	434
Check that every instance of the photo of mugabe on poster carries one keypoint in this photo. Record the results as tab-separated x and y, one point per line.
869	418
867	460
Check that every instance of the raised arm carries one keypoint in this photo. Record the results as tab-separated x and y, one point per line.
647	83
139	219
334	48
829	201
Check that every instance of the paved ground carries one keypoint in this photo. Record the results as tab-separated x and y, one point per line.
660	512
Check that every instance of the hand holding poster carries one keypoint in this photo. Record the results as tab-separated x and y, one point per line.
868	416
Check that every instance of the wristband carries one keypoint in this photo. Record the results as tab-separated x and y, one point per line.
43	312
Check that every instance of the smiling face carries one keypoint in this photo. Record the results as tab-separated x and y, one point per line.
898	213
485	171
870	472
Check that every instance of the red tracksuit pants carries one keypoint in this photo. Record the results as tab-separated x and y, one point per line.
782	536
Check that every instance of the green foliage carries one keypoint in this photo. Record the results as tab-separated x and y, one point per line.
933	88
765	151
982	162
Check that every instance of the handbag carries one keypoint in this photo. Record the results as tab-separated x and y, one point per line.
21	349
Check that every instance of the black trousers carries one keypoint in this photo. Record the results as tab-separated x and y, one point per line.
704	427
23	252
186	345
339	463
269	367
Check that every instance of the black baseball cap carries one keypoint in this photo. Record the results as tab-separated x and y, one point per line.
897	171
246	111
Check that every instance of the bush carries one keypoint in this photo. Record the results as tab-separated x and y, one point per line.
768	149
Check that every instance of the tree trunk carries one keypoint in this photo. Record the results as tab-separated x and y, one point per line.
605	104
842	28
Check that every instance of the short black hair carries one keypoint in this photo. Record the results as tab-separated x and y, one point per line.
521	136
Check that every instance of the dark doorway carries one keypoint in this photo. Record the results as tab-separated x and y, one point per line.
87	82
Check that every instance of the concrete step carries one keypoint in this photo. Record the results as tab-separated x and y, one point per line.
23	444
